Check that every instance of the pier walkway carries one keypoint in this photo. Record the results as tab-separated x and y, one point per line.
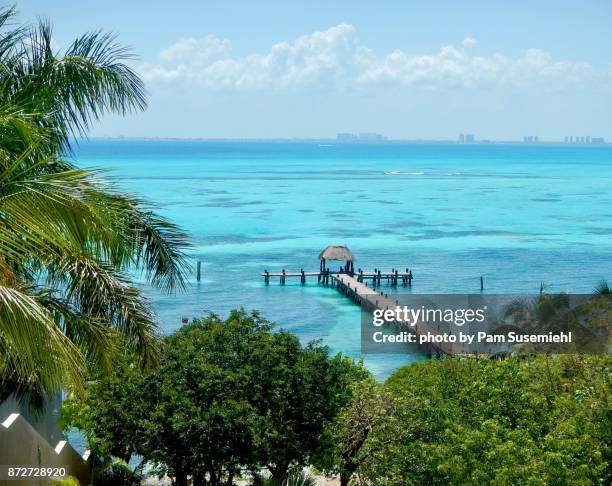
370	299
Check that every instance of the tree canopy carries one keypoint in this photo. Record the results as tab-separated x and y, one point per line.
523	420
231	396
228	396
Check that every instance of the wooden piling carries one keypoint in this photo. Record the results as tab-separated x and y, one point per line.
199	271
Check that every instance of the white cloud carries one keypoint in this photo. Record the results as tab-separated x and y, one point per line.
458	67
185	57
193	50
333	58
469	42
156	72
311	60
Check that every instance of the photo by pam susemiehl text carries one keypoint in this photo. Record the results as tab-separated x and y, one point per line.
449	324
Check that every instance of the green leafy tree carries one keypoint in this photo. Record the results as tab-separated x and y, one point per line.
523	420
109	414
299	393
67	238
228	396
369	408
201	423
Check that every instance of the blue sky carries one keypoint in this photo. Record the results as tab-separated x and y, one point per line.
403	68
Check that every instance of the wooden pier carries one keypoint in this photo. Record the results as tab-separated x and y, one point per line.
370	300
376	277
354	284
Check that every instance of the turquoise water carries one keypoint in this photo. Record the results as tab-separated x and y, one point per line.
517	214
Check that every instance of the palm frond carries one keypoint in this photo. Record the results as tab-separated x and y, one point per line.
89	80
12	37
159	246
68	91
99	342
34	350
97	291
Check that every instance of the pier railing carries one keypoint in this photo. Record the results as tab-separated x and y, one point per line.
377	276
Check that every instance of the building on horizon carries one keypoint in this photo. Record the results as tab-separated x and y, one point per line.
467	138
372	137
346	137
586	139
531	139
360	137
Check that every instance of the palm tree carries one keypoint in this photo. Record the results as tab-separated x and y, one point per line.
545	313
587	317
68	238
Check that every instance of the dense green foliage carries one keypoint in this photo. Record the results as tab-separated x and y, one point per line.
542	420
369	409
231	396
67	237
228	396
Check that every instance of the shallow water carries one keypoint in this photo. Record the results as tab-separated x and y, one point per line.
517	214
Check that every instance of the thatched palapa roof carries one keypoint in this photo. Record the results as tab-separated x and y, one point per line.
337	252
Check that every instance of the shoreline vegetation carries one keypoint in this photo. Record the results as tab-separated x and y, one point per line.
221	400
234	399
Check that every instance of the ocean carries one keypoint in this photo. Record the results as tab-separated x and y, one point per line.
519	215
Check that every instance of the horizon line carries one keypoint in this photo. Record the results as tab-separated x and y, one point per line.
344	142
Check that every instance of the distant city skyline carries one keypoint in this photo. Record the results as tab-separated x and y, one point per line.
409	70
372	137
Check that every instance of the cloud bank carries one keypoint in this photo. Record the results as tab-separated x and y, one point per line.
333	59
